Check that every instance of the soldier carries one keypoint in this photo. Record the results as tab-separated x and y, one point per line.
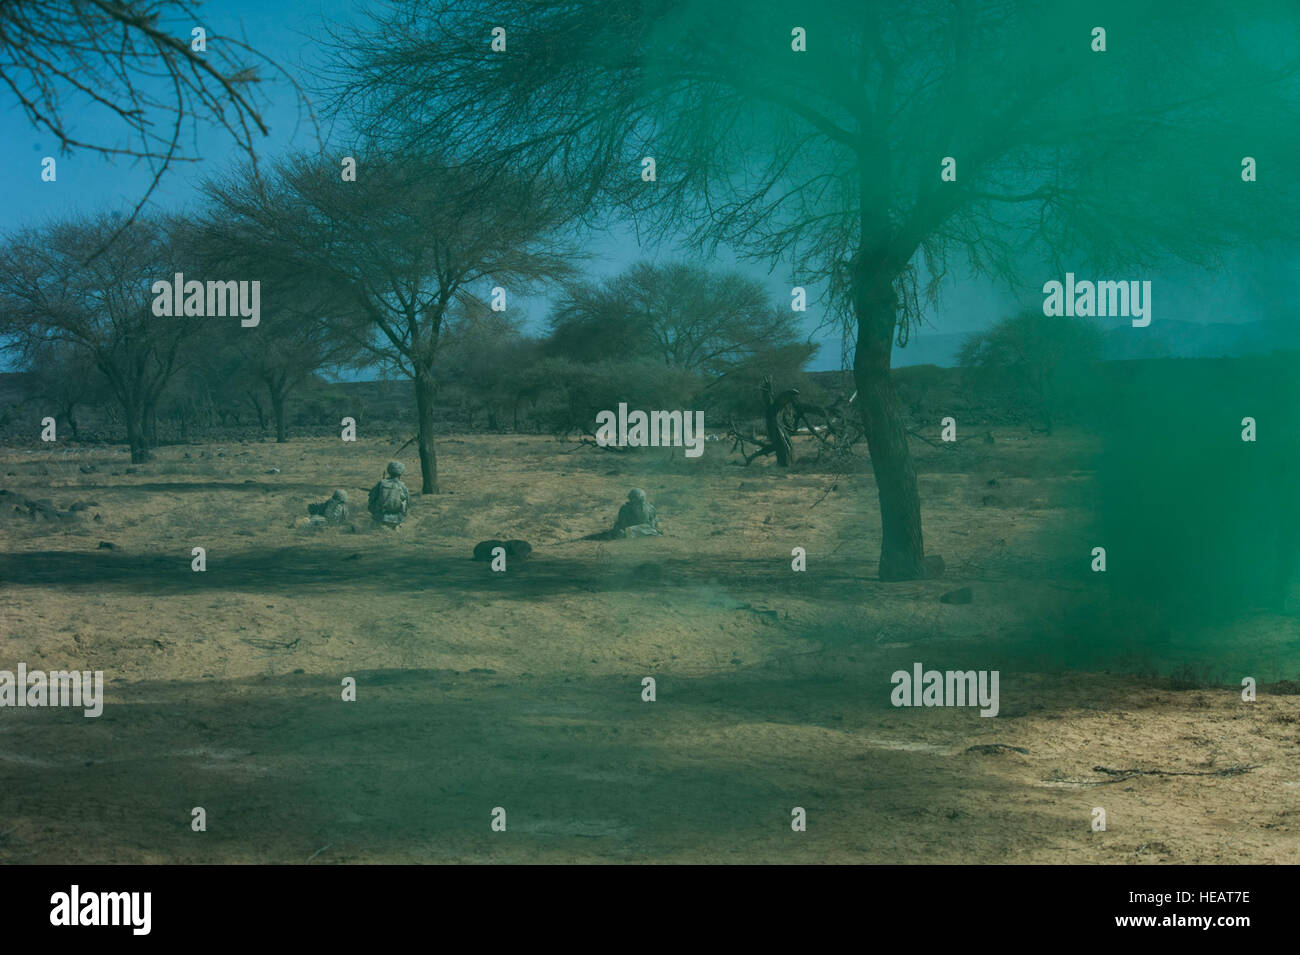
637	518
333	511
390	499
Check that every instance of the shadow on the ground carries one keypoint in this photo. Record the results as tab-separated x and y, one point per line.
304	569
413	771
184	487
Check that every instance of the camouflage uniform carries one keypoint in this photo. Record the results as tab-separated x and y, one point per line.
333	511
336	508
637	518
390	499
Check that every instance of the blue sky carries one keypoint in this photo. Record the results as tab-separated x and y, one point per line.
291	33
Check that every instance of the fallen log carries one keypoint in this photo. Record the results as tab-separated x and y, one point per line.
1121	774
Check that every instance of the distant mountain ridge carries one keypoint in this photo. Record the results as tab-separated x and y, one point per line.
1161	339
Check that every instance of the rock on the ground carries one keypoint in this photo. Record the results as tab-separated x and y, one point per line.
517	549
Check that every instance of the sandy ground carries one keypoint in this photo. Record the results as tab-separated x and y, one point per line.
522	689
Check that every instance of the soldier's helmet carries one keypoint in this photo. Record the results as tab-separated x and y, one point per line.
396	468
341	495
636	496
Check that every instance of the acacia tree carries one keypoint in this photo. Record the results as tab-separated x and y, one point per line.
295	338
268	364
63	375
55	289
219	388
394	249
720	325
683	315
290	359
128	73
817	137
1038	356
483	354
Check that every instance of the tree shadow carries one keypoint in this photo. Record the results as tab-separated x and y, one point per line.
305	569
191	487
414	769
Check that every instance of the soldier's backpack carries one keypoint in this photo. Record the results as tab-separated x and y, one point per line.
389	499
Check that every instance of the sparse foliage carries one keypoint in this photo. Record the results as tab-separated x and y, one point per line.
1039	358
396	249
126	69
55	289
829	160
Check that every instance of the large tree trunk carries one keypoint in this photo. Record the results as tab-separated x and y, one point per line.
136	435
151	425
256	402
278	409
424	396
902	552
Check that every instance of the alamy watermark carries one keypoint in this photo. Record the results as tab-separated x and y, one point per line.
950	688
75	907
656	429
76	688
194	298
1086	299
